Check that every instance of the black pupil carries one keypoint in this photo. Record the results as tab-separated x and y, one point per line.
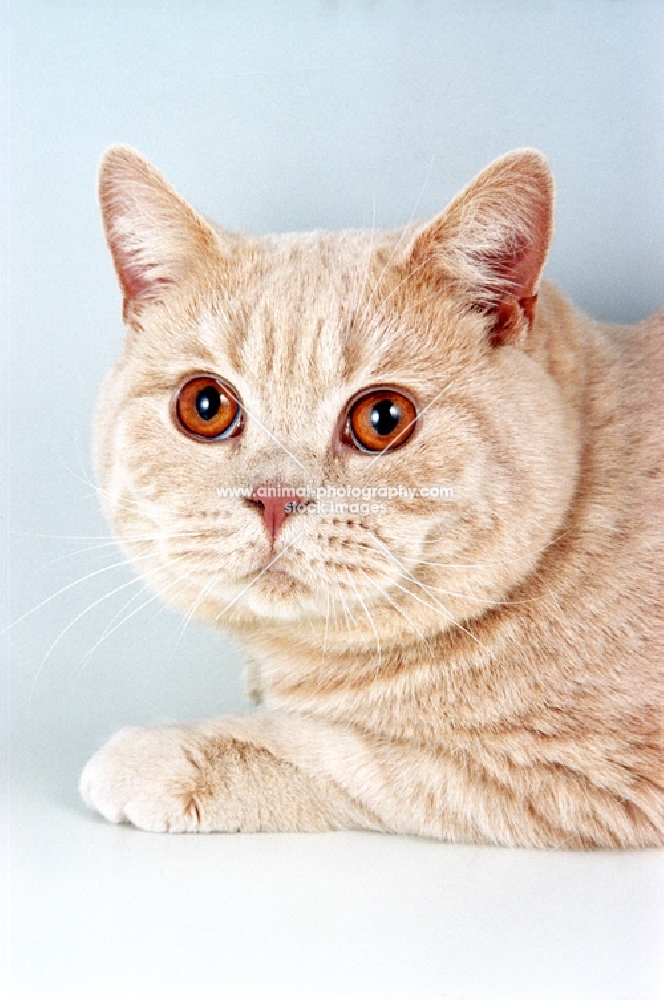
208	402
385	416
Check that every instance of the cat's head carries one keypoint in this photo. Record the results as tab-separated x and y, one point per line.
350	367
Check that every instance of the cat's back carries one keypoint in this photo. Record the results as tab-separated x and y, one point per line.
630	420
640	349
613	541
644	342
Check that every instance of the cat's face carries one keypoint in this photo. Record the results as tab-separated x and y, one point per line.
380	365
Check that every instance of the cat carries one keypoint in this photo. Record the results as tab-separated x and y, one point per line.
487	667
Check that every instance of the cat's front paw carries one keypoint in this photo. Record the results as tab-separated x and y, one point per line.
153	778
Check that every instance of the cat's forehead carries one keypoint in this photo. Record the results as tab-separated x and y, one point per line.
286	312
304	274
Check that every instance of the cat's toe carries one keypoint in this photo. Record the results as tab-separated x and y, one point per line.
148	777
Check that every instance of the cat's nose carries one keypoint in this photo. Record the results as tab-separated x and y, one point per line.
275	508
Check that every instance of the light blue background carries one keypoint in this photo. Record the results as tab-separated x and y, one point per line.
282	116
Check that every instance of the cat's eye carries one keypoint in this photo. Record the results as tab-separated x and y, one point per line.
378	420
208	408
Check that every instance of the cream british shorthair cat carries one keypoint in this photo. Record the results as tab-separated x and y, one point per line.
470	645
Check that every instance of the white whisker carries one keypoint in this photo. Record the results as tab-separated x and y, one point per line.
369	617
196	604
480	600
78	617
441	607
170	536
360	292
157	596
259	575
401	612
377	320
75	583
417	417
345	611
397	246
327	625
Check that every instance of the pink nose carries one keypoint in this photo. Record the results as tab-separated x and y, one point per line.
274	507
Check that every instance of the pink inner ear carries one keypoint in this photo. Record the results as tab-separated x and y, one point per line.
517	268
514	294
143	284
525	271
140	290
140	277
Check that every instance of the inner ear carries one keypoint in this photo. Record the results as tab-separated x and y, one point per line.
490	244
510	319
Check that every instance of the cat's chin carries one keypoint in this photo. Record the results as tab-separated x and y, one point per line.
278	594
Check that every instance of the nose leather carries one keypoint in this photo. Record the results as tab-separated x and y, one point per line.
274	508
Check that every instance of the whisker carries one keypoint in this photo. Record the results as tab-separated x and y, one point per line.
65	630
109	631
397	245
111	626
369	617
481	600
400	611
130	538
488	564
455	565
97	490
327	625
379	313
64	538
272	436
417	417
127	603
377	326
441	607
334	608
113	537
196	604
75	583
259	575
113	542
361	289
345	611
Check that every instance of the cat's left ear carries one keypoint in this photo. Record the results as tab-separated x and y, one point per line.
491	242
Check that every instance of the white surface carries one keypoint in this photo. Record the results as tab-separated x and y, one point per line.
285	116
109	911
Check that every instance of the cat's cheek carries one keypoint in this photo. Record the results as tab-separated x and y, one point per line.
152	778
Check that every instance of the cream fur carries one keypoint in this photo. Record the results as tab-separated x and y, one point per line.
487	668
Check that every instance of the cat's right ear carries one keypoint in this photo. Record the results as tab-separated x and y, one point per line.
156	239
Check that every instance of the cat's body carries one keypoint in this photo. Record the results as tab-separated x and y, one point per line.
488	667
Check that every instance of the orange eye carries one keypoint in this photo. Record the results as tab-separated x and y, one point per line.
380	419
208	408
